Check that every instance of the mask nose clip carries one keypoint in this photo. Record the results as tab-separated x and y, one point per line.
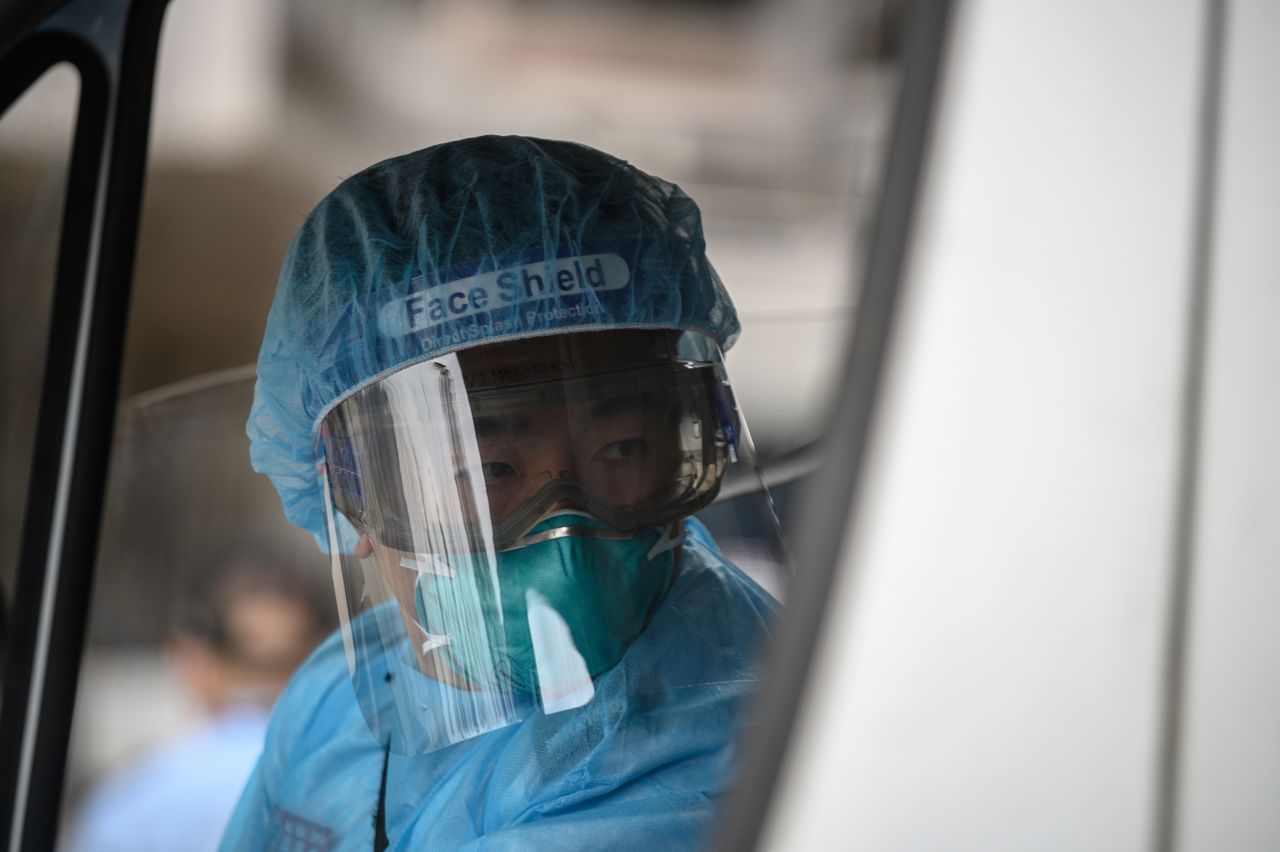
597	529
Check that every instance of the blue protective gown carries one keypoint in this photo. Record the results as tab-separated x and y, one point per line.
643	764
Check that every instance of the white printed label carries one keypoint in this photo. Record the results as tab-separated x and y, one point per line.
524	285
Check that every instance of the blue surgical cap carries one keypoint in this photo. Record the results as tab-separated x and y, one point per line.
457	245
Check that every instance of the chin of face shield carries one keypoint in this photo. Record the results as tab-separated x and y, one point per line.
517	511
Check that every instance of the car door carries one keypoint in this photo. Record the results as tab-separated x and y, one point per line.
1049	621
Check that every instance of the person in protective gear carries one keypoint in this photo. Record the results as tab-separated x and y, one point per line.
492	386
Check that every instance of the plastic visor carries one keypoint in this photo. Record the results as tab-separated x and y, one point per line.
504	523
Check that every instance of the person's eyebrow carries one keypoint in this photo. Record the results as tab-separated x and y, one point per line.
618	405
500	424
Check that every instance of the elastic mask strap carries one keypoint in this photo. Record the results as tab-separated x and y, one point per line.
671	538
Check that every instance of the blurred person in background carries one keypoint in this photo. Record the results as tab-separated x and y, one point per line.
242	623
492	388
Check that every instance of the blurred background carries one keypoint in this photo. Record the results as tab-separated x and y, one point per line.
771	114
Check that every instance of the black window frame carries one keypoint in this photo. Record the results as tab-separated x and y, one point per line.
112	45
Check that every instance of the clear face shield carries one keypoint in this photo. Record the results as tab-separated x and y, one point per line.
505	522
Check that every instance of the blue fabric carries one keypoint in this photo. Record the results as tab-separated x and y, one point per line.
642	766
460	244
179	797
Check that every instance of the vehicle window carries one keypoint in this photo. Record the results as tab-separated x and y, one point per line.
192	540
775	126
35	152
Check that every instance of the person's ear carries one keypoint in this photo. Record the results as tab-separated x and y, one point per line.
364	546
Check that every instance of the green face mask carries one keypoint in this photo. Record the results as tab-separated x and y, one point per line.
566	607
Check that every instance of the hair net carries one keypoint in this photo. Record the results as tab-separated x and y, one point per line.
457	245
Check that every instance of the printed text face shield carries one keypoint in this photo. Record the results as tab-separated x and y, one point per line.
505	521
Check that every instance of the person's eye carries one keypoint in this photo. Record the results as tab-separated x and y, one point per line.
496	471
626	450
